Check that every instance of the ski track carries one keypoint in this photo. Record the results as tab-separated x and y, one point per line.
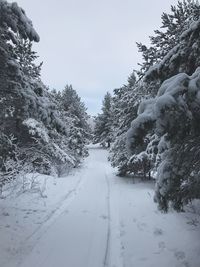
108	221
55	212
106	259
31	240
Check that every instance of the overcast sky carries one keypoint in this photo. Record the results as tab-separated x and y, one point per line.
91	43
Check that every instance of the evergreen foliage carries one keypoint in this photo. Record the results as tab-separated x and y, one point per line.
170	33
73	112
40	131
124	106
103	122
156	119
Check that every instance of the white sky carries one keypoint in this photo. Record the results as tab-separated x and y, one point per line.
91	44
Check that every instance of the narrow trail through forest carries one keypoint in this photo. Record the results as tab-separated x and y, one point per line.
110	221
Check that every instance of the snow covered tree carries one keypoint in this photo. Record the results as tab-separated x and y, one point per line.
164	131
13	23
124	110
166	128
103	123
32	130
184	57
169	34
72	103
174	117
74	114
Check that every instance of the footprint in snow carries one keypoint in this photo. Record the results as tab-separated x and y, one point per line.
122	247
179	255
104	217
122	233
185	264
143	259
122	224
158	232
5	214
161	245
141	226
85	211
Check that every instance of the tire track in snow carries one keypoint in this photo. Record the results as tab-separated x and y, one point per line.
58	210
47	223
114	256
107	252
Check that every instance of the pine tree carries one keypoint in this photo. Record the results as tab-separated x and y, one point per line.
169	34
184	57
13	23
73	105
174	117
103	123
124	110
25	56
74	114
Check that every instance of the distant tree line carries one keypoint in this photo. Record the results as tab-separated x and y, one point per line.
152	123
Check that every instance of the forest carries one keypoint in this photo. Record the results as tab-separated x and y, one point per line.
41	130
118	189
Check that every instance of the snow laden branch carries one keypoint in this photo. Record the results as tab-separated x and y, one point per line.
15	18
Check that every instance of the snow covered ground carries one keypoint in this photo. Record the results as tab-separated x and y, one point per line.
92	218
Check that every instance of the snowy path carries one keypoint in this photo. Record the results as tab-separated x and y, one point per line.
109	221
78	237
